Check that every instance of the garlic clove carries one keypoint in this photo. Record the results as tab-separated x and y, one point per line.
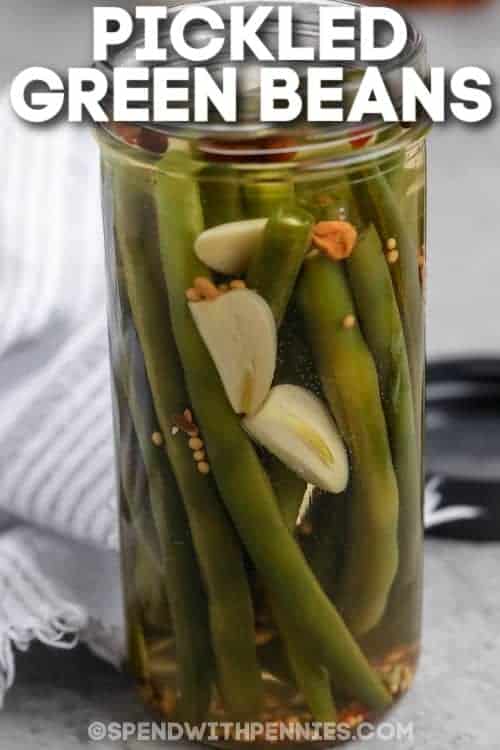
227	248
239	331
297	427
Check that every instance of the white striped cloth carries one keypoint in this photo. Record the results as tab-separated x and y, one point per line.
59	578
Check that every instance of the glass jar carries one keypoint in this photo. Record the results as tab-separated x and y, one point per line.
267	341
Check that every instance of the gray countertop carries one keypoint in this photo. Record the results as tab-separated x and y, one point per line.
453	704
455	701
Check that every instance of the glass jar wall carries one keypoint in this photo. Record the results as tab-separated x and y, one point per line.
267	343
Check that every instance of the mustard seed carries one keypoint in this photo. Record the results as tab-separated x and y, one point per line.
206	288
193	295
203	467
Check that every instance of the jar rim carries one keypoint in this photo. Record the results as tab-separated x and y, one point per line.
249	137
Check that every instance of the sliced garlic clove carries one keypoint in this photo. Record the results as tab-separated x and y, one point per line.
297	427
239	331
227	248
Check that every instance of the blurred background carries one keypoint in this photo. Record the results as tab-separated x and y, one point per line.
463	231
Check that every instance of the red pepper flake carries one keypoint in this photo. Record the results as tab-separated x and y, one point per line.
183	424
152	140
363	138
128	133
149	140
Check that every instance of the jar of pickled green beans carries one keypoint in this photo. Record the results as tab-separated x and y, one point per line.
266	289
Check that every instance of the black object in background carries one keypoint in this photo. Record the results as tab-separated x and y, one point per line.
462	498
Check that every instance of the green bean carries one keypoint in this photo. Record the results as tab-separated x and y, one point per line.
184	588
394	168
265	194
152	592
311	678
220	194
220	208
145	576
378	202
272	273
133	481
370	281
288	487
412	203
130	467
138	658
371	284
217	547
288	660
242	482
182	579
324	548
350	384
275	266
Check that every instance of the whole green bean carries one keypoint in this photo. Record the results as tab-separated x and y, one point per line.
182	579
274	268
221	206
220	194
273	272
371	284
350	384
148	571
217	547
133	481
185	593
378	203
178	562
144	589
242	482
